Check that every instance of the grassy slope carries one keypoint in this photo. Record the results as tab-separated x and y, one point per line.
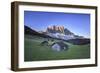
35	52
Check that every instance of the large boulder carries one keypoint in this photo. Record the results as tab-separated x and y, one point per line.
59	46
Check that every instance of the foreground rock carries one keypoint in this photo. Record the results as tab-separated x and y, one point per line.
59	46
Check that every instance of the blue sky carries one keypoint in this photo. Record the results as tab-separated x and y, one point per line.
77	23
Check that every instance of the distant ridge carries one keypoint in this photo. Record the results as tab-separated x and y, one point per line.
29	31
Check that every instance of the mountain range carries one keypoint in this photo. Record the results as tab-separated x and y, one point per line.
54	32
61	32
64	35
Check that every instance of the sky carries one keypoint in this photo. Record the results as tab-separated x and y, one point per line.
78	23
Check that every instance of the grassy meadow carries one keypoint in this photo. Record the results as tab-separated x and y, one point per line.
34	51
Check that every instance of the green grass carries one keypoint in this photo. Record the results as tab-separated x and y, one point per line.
36	52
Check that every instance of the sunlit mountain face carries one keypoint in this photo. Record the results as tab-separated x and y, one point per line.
60	32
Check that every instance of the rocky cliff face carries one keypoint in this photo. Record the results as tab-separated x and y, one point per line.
60	32
55	28
58	29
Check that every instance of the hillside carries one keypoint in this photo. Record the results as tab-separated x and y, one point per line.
29	31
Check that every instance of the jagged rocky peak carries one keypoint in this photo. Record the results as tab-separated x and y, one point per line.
55	28
59	29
